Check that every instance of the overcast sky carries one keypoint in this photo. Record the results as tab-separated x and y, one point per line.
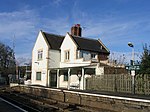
115	22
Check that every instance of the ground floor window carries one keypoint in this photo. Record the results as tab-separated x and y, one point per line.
65	76
38	75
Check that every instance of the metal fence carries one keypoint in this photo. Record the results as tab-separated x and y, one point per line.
119	83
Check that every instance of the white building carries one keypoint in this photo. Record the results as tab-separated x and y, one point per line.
66	61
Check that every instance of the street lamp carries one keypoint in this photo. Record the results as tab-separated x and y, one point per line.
133	68
130	44
79	76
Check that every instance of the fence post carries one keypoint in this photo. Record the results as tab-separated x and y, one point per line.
115	82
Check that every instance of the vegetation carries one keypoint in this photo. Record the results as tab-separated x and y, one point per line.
145	60
7	61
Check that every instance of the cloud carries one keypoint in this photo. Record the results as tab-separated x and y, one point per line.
57	26
19	23
22	60
20	27
57	2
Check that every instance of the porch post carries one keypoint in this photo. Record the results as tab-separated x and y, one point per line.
83	79
47	78
58	79
69	78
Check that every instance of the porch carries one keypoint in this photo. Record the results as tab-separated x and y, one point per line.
70	78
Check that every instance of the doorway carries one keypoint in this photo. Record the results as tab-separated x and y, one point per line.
53	79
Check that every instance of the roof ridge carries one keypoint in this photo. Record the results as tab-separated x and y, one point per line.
85	38
53	34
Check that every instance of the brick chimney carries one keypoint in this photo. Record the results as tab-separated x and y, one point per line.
76	30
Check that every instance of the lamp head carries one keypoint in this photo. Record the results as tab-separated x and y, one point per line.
130	44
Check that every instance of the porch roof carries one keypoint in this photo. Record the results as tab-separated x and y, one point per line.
88	69
75	67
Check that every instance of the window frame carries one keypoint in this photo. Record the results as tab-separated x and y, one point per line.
38	78
66	78
79	54
67	55
93	55
40	54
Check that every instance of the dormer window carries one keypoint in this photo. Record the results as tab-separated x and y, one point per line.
67	55
40	54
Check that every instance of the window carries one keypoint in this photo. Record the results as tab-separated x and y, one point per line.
79	54
38	75
40	54
65	76
93	56
67	55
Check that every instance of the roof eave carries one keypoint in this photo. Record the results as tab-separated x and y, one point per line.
45	38
73	40
103	46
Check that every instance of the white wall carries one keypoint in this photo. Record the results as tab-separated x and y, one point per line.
73	80
99	70
39	65
54	58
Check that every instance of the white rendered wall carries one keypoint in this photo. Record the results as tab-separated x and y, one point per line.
39	65
73	80
99	70
54	58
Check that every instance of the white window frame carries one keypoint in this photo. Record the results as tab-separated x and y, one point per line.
40	55
37	78
79	54
93	55
67	55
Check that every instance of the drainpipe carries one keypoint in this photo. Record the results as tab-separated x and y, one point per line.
47	68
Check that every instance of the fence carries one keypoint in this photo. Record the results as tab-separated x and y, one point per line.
119	83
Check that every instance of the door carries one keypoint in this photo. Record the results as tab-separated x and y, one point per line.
53	79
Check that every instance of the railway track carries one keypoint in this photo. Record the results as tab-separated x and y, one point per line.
32	103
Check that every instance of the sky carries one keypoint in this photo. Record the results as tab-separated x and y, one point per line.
114	22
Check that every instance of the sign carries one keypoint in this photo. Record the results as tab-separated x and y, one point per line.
133	67
132	72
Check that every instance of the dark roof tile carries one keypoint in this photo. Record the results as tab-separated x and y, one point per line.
89	44
53	40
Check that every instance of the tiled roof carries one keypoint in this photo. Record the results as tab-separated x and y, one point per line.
89	44
53	40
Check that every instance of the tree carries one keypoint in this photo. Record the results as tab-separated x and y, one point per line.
145	60
7	61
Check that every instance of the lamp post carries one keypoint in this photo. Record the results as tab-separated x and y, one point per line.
133	68
132	46
79	76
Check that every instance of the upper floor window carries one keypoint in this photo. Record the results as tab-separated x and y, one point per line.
79	54
67	55
40	54
38	75
93	55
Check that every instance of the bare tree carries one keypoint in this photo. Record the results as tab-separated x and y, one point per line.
7	61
